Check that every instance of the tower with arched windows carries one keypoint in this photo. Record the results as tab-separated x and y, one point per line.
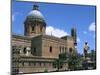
34	24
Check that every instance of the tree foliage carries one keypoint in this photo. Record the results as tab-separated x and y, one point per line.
74	61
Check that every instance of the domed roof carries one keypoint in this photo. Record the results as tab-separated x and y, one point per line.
35	14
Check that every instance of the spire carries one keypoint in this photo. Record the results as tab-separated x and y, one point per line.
74	34
35	7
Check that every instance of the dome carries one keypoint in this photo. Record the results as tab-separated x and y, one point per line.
35	14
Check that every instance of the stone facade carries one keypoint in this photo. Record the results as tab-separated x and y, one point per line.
36	51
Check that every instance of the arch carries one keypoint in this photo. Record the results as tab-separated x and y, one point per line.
24	51
70	50
50	49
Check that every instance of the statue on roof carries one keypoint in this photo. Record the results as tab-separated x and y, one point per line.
86	49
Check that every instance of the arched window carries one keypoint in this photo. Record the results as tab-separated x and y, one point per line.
23	63
44	63
65	49
33	28
70	50
30	64
34	63
40	28
50	49
24	51
34	50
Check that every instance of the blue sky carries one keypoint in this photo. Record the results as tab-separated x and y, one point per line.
60	18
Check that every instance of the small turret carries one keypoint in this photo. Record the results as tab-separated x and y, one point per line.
74	36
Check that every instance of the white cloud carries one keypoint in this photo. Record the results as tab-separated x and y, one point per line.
92	27
14	16
85	32
78	39
55	31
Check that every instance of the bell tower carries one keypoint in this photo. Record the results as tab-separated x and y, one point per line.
74	34
34	24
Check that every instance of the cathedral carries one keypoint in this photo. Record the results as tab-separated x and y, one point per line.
35	51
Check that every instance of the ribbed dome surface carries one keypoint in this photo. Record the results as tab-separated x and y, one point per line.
35	14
